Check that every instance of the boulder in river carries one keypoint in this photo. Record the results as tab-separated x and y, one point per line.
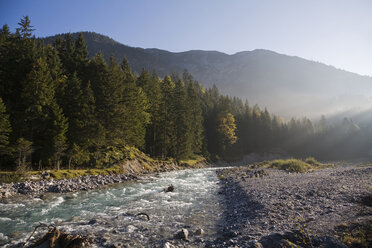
169	189
55	238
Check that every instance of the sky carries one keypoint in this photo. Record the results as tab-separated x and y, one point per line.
334	32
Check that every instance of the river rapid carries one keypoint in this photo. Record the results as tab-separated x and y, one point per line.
108	215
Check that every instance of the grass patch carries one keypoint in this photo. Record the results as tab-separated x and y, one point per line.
292	165
111	163
356	234
193	160
8	177
147	166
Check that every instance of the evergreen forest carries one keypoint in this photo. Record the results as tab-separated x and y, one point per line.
59	108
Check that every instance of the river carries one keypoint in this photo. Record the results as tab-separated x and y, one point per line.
108	214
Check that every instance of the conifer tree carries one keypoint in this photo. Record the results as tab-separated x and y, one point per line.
18	53
167	132
66	52
5	129
151	87
46	123
195	119
182	122
25	29
81	57
136	107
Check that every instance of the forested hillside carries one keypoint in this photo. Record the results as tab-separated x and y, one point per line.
287	85
58	107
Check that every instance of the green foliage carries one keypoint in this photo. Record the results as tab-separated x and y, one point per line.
292	165
9	177
25	29
47	125
23	150
312	161
136	105
66	110
226	128
303	235
355	234
5	129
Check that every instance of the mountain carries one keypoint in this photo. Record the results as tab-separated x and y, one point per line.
287	85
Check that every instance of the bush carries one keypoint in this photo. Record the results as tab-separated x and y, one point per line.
312	161
291	165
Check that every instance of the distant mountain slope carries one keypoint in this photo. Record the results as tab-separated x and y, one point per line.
287	85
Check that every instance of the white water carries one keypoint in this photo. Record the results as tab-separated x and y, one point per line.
194	204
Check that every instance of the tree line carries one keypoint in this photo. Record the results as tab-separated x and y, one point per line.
60	108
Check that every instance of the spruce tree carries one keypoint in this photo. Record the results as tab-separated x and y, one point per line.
136	109
81	57
5	129
167	132
195	114
182	122
46	124
151	87
25	29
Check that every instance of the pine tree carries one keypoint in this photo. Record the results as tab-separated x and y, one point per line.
167	132
196	118
81	57
99	76
66	52
5	129
18	53
182	122
25	29
136	109
45	121
151	87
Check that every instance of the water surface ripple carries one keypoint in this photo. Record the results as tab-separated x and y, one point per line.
107	214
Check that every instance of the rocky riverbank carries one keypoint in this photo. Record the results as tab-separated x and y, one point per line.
133	169
272	208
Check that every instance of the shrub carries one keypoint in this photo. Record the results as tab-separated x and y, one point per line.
291	165
312	161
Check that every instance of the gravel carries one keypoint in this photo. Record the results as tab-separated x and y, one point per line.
273	206
61	186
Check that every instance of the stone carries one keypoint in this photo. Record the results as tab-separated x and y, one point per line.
130	228
56	238
255	244
169	189
168	245
230	234
328	242
92	222
182	234
199	231
6	194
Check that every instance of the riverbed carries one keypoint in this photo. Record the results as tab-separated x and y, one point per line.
108	215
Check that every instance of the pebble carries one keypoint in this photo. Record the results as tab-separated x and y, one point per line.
278	202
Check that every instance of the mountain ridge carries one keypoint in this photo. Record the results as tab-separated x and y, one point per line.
287	85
